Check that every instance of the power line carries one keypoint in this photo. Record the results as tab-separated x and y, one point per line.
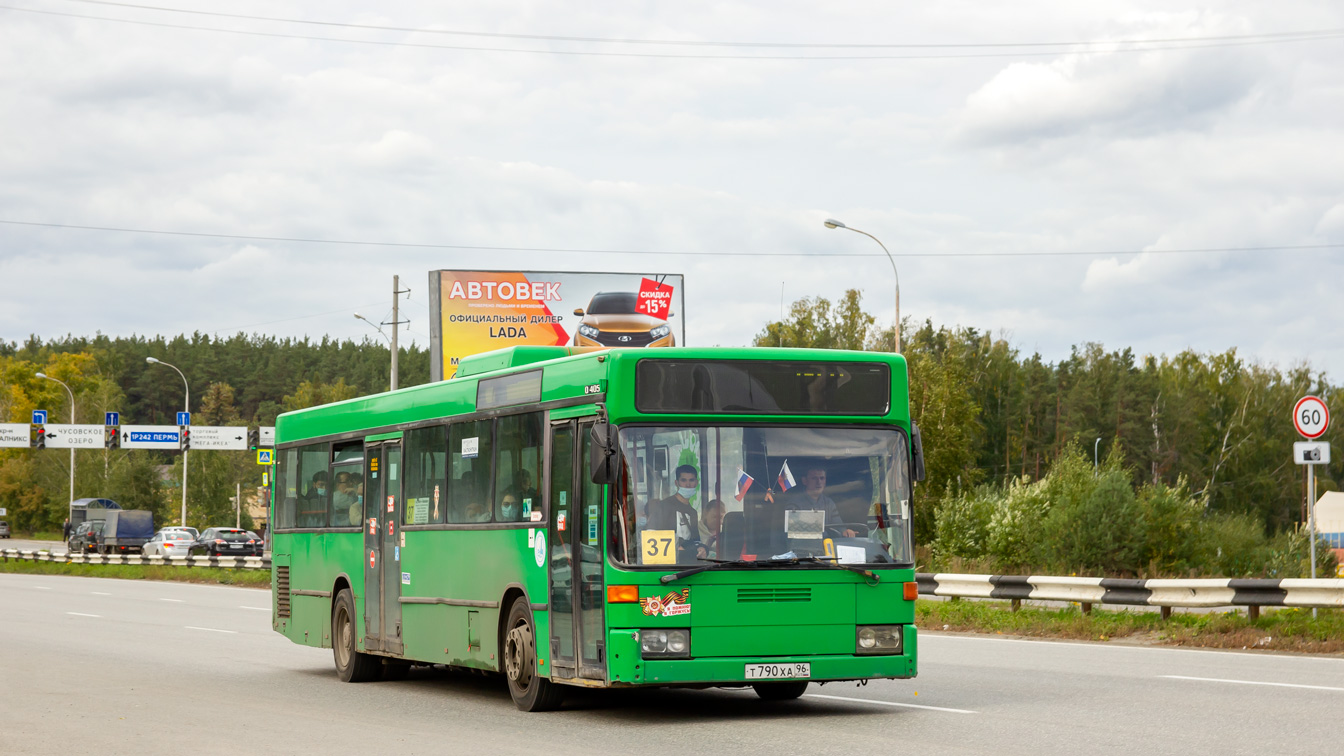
1307	37
1265	37
478	247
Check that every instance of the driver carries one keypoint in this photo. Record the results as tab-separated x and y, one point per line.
813	496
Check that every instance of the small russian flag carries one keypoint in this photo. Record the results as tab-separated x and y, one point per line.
744	482
786	480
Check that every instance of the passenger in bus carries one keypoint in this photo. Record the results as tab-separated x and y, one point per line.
812	495
711	523
676	513
343	500
313	505
522	484
510	508
477	513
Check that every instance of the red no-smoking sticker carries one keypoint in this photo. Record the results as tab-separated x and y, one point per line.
655	299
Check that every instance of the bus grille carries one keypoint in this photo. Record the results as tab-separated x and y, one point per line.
775	595
282	590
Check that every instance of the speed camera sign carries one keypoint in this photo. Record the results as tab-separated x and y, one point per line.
1311	417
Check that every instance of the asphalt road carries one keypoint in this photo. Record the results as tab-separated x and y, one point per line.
111	666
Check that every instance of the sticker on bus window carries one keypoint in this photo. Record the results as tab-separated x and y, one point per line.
564	497
396	553
560	522
527	508
471	447
373	526
531	538
391	503
657	547
405	578
536	517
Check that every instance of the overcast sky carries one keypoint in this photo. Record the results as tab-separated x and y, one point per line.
962	157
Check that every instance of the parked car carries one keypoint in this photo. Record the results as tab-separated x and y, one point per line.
226	542
85	537
4	529
171	542
612	321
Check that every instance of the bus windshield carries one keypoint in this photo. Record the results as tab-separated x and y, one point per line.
688	494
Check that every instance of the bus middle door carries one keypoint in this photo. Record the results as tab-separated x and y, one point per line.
382	547
577	597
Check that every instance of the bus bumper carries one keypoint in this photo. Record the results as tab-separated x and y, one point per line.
732	670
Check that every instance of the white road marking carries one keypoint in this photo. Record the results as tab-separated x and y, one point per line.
889	703
82	614
1251	682
175	601
258	608
101	593
212	630
41	588
1118	646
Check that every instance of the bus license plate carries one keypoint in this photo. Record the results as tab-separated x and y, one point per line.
779	671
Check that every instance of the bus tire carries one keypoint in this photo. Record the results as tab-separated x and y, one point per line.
780	691
530	691
351	664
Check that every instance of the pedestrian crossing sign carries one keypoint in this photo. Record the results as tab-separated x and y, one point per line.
264	456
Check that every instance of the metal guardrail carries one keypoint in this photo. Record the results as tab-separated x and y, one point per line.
246	563
1162	593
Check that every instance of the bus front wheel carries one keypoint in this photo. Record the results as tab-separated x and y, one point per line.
351	664
530	691
780	691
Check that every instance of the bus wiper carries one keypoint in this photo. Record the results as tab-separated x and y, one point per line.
717	564
841	566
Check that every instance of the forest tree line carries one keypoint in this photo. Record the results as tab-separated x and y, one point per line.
1215	426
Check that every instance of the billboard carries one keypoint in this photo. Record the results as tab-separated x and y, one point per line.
473	311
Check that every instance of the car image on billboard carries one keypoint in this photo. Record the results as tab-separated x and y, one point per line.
611	320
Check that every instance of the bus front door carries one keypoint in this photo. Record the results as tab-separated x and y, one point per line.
577	594
382	547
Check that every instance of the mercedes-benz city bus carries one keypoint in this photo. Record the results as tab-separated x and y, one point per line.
608	518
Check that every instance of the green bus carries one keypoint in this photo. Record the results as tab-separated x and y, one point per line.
608	518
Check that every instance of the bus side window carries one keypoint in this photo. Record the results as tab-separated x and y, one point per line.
314	486
470	446
286	487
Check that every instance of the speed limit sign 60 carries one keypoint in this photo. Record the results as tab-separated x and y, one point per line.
1311	417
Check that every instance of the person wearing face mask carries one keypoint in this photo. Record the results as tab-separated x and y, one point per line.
510	509
676	513
313	507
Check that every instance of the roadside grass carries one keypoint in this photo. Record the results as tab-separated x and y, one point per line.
1288	629
220	575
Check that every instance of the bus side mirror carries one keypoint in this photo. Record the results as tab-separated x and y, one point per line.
604	459
916	454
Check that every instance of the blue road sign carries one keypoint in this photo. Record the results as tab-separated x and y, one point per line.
154	437
39	417
111	418
263	456
184	418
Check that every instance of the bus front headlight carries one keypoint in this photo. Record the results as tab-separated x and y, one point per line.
665	644
878	639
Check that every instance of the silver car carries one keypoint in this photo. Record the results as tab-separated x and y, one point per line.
170	542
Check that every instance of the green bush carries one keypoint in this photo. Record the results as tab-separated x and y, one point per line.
1015	526
961	524
1171	521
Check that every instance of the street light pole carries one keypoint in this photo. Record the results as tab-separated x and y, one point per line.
896	329
186	407
397	291
1095	465
70	511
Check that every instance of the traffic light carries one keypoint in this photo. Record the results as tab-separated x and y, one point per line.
253	438
186	437
41	437
113	438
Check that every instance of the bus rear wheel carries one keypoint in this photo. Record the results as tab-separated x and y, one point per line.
351	664
530	691
780	691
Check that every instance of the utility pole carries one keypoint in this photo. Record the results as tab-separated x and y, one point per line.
238	505
396	299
